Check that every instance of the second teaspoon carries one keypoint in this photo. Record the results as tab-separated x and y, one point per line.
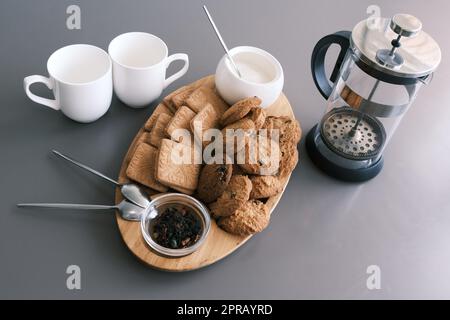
130	191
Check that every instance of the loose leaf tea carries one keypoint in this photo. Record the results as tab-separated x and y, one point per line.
177	227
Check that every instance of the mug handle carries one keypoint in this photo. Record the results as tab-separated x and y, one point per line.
341	38
28	81
177	56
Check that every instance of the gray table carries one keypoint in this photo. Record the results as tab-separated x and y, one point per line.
324	233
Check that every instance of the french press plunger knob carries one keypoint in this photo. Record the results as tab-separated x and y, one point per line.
405	25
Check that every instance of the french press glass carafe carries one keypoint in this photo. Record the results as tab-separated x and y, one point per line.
381	66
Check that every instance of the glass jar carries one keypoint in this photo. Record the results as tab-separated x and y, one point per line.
157	207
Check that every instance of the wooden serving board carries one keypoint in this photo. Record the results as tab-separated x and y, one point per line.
219	243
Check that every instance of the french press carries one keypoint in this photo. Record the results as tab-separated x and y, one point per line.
380	68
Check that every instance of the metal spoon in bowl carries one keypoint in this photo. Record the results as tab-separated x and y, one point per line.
130	191
222	42
127	210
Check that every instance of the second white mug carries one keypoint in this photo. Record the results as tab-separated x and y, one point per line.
140	61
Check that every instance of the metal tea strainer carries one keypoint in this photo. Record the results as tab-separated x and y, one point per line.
352	134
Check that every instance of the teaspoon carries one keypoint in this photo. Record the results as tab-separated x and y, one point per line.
221	40
129	190
127	210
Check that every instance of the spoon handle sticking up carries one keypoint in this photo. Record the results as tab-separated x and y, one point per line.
85	167
221	40
67	206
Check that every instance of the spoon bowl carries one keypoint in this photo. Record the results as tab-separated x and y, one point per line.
130	211
135	194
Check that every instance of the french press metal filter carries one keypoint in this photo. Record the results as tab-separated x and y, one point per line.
380	68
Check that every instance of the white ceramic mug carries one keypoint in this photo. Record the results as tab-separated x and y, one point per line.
140	61
262	76
81	81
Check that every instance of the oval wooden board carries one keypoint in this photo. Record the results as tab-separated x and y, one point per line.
219	243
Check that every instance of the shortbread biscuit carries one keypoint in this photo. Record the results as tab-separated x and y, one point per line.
161	108
179	99
204	95
239	110
214	179
143	138
176	167
181	120
236	193
142	167
168	99
252	217
159	129
206	119
265	186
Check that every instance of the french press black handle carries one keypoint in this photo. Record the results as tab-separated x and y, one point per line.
341	38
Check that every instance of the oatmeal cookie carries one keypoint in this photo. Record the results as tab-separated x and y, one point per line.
289	128
236	194
265	186
261	155
232	138
239	110
289	159
214	179
258	116
252	217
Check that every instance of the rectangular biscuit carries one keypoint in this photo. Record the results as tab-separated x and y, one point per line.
172	171
168	99
204	95
141	139
145	137
142	167
180	120
207	118
161	108
179	99
159	129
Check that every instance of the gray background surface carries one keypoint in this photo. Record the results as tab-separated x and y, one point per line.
323	234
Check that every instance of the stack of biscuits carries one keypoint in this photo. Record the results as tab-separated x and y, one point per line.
235	191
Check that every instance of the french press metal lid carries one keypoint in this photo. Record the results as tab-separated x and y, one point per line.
381	65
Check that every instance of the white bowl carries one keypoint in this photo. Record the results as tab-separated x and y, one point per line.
266	83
